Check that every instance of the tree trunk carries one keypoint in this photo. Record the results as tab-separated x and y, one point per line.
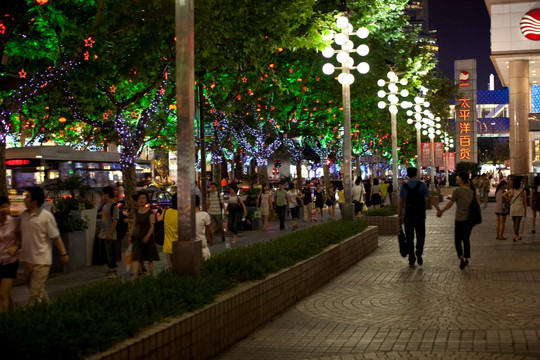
263	174
326	175
216	174
129	178
299	173
3	179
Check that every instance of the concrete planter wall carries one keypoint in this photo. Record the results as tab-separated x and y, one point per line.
75	244
240	311
388	225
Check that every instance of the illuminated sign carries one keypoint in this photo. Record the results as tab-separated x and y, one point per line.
464	77
17	162
530	25
465	130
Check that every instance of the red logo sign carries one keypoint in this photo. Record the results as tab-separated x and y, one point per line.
530	25
464	76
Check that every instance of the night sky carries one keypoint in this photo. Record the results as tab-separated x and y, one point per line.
463	32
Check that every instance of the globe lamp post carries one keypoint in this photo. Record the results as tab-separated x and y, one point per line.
431	128
448	143
392	102
346	78
417	117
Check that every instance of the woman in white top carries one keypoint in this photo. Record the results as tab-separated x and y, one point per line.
203	228
264	204
518	205
292	200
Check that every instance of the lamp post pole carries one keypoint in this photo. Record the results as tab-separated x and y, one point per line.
393	101
187	253
448	143
346	79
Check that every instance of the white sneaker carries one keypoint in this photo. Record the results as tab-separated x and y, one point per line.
112	275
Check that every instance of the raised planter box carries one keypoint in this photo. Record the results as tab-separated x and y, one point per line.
388	225
205	333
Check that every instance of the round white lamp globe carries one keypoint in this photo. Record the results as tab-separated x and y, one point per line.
362	32
328	52
363	68
362	50
328	69
342	22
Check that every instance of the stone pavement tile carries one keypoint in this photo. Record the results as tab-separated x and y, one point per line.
489	310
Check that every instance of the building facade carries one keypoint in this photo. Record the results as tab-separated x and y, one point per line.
515	53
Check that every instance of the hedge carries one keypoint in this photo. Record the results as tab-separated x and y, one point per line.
90	319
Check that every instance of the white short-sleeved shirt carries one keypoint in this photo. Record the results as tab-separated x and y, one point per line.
202	219
38	230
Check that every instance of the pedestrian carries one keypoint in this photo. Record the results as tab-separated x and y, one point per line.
463	196
39	232
376	198
341	197
502	207
308	202
280	204
110	215
142	236
518	205
170	218
535	201
214	204
9	244
293	196
318	194
235	210
203	228
331	201
486	187
367	192
384	192
412	200
358	194
264	204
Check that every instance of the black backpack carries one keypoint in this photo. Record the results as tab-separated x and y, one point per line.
415	204
122	225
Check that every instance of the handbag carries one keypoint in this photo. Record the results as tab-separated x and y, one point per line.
475	215
402	241
159	231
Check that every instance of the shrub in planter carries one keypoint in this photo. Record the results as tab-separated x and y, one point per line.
384	211
90	319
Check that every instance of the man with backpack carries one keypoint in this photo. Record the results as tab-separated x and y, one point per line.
110	215
412	200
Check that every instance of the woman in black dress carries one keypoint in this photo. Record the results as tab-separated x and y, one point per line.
142	236
319	201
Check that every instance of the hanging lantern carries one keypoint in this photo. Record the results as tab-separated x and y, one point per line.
62	120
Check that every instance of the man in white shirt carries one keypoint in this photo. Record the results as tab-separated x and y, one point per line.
38	233
358	193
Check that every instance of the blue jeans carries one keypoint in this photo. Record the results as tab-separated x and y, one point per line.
111	248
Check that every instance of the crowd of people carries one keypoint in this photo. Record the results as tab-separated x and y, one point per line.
30	238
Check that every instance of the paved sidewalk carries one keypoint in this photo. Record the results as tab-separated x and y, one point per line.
383	309
59	283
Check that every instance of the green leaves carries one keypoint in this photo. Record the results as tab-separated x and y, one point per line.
90	319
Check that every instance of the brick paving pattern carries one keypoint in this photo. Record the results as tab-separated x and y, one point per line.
383	309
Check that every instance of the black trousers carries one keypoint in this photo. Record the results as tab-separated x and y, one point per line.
413	226
281	211
462	233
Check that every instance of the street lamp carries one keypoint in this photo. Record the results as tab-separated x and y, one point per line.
345	78
417	118
431	128
448	143
393	101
